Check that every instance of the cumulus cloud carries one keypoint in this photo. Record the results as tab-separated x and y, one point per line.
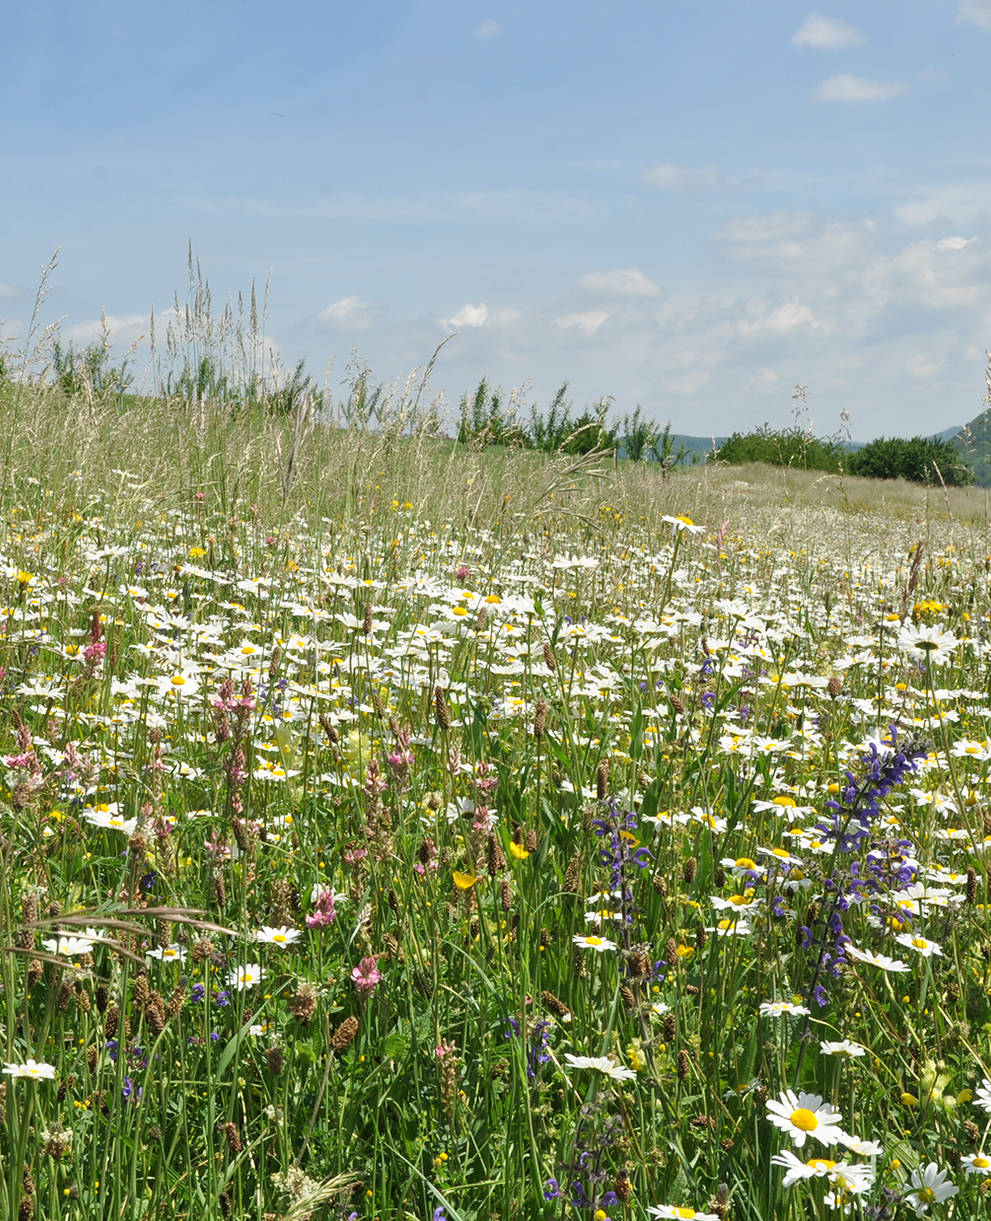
826	34
488	29
7	290
588	322
787	317
976	11
126	329
845	88
955	243
762	379
350	313
670	177
952	204
939	275
468	315
624	282
792	245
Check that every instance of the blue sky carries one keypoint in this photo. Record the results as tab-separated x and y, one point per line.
687	204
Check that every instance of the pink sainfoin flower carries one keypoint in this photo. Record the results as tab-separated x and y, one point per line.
485	782
366	975
324	913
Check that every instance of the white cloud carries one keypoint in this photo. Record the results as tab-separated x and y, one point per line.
763	378
845	88
624	282
792	246
955	243
349	313
127	329
826	34
467	315
781	321
954	204
588	322
681	178
7	290
488	29
935	275
976	11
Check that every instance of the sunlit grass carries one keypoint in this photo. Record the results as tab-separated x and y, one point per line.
416	830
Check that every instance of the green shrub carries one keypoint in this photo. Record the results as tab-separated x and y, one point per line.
919	459
782	447
486	420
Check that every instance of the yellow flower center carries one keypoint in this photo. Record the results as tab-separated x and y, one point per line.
820	1163
783	801
920	943
804	1119
687	1213
981	1162
926	1194
744	862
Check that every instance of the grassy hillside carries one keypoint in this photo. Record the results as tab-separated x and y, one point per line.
397	828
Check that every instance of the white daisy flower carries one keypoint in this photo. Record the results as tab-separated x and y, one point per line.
804	1115
592	942
875	960
976	1163
168	953
863	1148
780	1008
929	1187
730	928
844	1048
928	642
282	936
982	1095
680	1213
601	1064
921	945
67	946
34	1069
245	977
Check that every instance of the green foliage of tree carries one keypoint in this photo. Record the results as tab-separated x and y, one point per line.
592	430
550	429
640	436
485	419
782	447
89	370
918	459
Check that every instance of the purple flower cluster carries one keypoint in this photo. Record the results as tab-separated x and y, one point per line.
862	866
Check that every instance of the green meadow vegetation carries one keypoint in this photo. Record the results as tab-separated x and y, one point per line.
405	827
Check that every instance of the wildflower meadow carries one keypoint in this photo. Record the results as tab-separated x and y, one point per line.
393	829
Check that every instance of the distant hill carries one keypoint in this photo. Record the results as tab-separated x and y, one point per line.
699	446
973	441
